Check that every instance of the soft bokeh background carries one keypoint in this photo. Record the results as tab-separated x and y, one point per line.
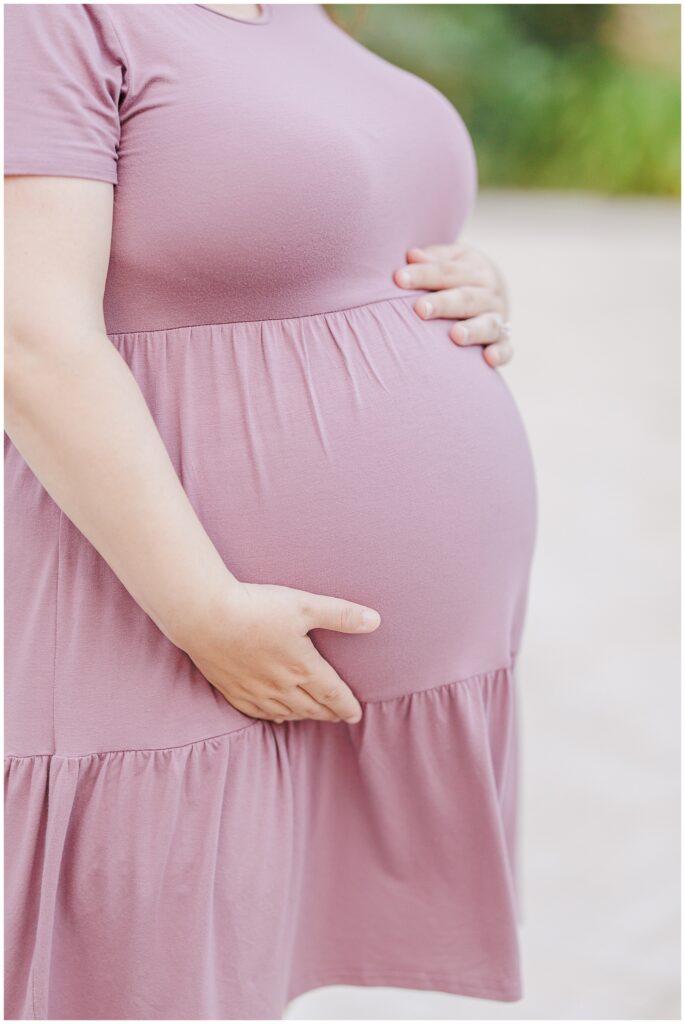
575	114
581	96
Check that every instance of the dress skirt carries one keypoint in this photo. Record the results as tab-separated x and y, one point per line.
170	857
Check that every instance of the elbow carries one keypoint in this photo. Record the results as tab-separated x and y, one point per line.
26	370
14	355
16	370
19	352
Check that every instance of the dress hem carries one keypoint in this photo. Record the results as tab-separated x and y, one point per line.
432	855
421	981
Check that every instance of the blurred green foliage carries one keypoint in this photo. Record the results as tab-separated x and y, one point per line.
551	93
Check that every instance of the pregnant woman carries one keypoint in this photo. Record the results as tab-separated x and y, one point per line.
269	531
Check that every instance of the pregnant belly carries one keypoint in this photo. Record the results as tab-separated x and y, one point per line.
360	454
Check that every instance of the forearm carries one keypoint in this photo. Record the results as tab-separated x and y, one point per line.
76	414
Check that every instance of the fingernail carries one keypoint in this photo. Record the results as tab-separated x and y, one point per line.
404	277
370	618
494	357
462	334
353	718
427	308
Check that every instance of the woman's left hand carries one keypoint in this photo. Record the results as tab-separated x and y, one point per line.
468	287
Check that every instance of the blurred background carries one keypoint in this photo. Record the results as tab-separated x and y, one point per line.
582	96
574	110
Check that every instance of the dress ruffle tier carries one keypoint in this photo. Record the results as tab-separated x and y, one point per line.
238	858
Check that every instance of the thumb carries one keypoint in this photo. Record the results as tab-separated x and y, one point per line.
343	616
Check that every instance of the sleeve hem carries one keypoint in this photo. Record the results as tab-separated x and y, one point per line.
62	171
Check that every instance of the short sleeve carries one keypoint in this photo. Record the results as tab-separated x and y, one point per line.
63	84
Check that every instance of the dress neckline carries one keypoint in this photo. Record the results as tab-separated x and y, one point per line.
264	14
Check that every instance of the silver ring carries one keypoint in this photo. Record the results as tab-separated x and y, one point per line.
505	329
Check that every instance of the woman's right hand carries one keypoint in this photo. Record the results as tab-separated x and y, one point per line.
255	650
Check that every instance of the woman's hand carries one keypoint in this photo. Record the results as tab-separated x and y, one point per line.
252	645
467	287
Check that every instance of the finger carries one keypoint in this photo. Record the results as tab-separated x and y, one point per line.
336	613
305	705
278	709
498	354
438	274
418	256
326	687
430	274
454	303
268	708
284	695
483	329
316	678
248	707
441	251
295	703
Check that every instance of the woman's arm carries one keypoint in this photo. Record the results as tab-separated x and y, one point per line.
75	412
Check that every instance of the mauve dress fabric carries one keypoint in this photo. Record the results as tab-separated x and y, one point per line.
167	856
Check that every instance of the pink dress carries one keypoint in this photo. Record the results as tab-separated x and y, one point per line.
166	855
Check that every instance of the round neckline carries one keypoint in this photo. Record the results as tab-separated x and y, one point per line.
264	15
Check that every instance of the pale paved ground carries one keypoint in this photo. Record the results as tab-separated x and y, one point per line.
595	288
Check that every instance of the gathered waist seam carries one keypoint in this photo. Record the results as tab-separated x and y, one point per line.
406	294
501	671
